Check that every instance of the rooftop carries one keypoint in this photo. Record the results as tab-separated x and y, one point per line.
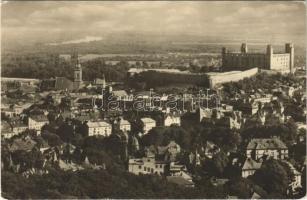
250	164
120	93
266	143
5	127
39	118
179	181
97	124
25	144
147	120
124	122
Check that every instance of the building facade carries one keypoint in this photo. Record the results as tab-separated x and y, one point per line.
148	124
37	122
281	62
249	167
99	128
124	125
271	147
172	120
146	165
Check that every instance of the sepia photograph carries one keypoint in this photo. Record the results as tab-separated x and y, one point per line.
153	99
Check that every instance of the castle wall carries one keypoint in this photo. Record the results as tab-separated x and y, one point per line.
233	76
210	79
166	78
243	61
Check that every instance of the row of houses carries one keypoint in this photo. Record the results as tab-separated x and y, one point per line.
94	127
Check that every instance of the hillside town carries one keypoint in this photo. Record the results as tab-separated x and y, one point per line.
235	132
153	99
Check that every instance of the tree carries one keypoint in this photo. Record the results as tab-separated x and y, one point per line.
244	188
220	161
51	138
161	136
137	126
286	132
299	152
66	132
272	177
225	138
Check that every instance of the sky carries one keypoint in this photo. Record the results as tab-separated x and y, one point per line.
74	20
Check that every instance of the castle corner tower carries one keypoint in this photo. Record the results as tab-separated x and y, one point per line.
289	48
269	54
244	48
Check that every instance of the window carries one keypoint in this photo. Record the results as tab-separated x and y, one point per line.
161	166
157	166
140	167
144	168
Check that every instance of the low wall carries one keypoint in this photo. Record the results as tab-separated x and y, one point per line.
211	79
232	76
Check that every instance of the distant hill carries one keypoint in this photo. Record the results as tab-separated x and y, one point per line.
139	43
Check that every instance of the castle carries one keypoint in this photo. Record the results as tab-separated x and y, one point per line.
281	62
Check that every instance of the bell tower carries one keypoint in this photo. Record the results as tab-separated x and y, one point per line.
77	71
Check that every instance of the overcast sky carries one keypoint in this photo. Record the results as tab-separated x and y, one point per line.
283	20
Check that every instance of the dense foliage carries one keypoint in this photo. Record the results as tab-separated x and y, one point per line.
45	66
262	81
110	183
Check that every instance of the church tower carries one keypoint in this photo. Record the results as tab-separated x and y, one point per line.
77	71
103	82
